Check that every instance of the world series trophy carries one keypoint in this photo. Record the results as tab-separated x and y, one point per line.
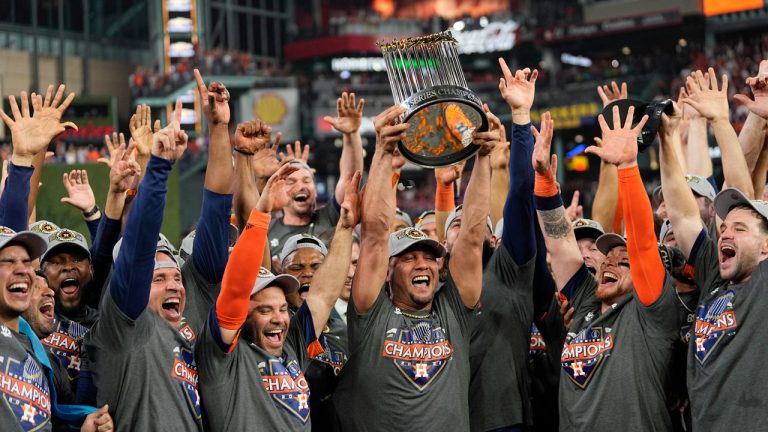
442	112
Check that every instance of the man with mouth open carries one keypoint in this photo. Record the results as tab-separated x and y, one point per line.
301	213
728	340
252	353
409	341
619	347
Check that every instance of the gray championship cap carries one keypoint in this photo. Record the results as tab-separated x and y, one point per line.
407	238
727	199
163	245
666	228
457	213
65	239
698	184
608	241
587	228
288	283
187	244
44	227
425	218
301	241
33	242
403	217
499	230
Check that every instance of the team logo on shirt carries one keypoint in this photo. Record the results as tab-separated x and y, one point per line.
287	386
185	372
585	352
66	343
331	355
420	351
25	390
537	341
715	324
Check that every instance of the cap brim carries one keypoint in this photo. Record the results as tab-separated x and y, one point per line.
624	105
286	282
608	241
35	244
587	232
64	245
427	243
728	199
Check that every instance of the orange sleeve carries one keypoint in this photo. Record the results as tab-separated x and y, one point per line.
241	272
444	200
645	262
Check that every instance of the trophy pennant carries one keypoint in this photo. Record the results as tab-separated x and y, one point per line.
442	112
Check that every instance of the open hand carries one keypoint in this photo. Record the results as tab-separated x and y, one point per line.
705	97
141	129
619	146
541	159
124	169
295	153
79	192
612	93
274	195
348	116
518	90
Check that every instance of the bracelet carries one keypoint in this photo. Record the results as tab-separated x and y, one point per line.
131	192
247	153
91	212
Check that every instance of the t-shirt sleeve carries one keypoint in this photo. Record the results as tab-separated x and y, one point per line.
515	277
215	357
660	319
360	326
201	295
116	332
453	299
328	216
301	336
706	263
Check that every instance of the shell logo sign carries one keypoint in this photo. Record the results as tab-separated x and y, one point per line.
270	107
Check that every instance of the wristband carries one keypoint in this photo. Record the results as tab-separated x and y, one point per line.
131	192
247	153
91	212
545	185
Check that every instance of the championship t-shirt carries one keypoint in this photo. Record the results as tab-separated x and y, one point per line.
66	342
615	365
201	295
323	219
246	388
323	372
728	346
407	367
144	369
547	335
26	403
499	345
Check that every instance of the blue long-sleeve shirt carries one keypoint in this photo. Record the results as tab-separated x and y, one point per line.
93	228
519	216
210	249
132	273
106	237
14	206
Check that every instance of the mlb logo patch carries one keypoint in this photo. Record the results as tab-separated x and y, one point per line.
583	355
420	351
716	323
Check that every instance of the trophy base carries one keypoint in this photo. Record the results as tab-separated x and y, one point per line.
442	121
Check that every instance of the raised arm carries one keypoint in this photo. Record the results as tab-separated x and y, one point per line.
31	135
620	148
752	133
467	264
328	280
606	202
241	272
555	225
377	211
684	214
347	121
210	248
712	103
695	144
499	178
518	91
445	199
132	273
80	196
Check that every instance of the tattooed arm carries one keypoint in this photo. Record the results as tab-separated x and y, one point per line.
564	255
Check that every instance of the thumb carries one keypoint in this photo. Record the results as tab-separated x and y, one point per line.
66	200
595	150
70	125
105	161
330	120
746	100
104	409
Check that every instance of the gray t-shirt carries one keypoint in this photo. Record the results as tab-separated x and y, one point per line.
66	344
615	365
323	371
728	347
201	295
407	367
323	219
246	388
499	345
24	388
144	369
